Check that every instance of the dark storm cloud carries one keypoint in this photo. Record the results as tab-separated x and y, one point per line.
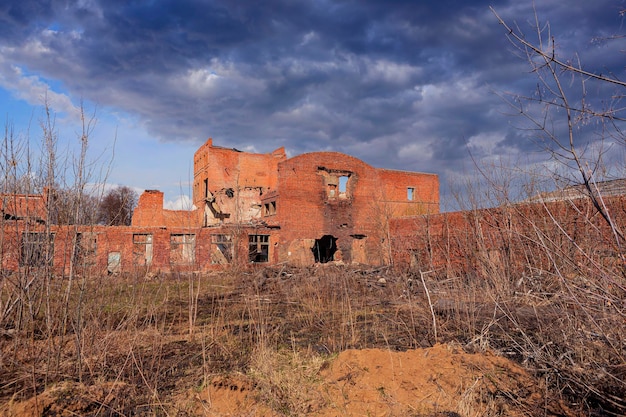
404	84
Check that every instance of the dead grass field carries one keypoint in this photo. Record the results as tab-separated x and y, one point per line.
322	341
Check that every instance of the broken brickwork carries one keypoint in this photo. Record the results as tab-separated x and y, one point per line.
150	212
25	207
248	209
332	206
229	184
265	209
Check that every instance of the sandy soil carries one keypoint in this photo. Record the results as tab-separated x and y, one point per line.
441	381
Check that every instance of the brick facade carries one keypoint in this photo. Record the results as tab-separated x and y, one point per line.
338	196
312	208
248	208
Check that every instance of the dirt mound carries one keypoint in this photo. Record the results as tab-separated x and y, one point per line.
439	381
233	395
434	382
70	399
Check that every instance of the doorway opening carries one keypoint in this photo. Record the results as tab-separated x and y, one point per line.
324	249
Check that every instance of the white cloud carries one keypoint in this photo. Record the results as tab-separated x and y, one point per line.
181	202
33	90
420	151
309	37
390	71
485	143
215	81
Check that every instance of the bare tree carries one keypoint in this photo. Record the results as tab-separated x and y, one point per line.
73	207
116	207
562	90
577	130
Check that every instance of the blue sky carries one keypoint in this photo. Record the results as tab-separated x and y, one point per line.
412	85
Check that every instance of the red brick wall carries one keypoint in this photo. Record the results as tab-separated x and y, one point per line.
395	186
24	205
510	240
149	210
120	239
306	212
150	213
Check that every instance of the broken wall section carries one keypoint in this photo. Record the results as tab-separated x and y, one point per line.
150	213
334	207
25	207
229	184
324	202
111	250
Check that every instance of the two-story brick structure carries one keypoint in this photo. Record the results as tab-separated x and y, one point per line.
249	208
330	206
315	207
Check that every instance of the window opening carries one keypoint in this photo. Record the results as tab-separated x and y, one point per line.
37	249
269	209
182	249
222	249
336	182
206	188
324	249
259	248
343	184
142	249
85	249
114	263
410	193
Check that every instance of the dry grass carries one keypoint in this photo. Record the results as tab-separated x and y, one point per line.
279	325
288	380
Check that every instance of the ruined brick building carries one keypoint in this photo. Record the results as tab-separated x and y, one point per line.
248	209
267	208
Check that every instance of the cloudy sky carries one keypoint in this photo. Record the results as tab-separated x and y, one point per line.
411	85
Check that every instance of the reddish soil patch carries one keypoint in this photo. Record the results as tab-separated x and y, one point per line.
70	399
438	381
441	381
